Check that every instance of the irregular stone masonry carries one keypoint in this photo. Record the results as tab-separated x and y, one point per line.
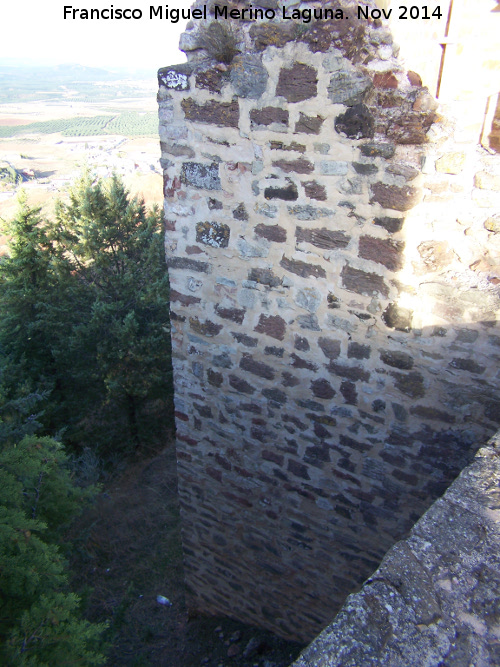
333	259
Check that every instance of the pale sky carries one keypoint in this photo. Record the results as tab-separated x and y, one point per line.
36	29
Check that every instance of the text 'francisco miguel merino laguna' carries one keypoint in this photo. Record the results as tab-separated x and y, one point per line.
174	15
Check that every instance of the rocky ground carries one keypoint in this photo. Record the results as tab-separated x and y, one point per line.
128	554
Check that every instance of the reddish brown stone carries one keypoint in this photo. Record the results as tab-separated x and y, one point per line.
298	469
224	114
383	251
248	363
300	166
314	190
234	314
212	79
193	250
184	299
241	385
410	128
268	116
302	268
385	80
323	238
271	232
274	457
395	197
271	325
298	362
272	34
363	282
353	373
414	78
245	340
297	83
289	380
206	328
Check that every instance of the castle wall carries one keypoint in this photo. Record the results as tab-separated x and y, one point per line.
333	252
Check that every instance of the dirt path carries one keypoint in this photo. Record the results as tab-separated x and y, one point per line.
127	553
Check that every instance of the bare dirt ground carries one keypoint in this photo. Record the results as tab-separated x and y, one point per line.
128	551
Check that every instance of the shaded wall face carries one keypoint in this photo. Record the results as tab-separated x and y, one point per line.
333	263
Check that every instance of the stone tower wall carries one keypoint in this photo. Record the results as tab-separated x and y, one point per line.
333	257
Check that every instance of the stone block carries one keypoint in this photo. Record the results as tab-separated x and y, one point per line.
202	176
301	343
427	412
286	193
308	298
183	299
206	328
275	395
271	325
299	166
492	224
358	351
411	384
356	123
398	198
297	83
365	169
280	146
302	269
211	79
348	87
175	77
451	163
314	190
264	277
397	317
223	114
298	469
323	238
308	212
486	181
383	251
353	373
241	385
244	339
236	315
248	363
468	365
436	255
363	282
333	168
299	362
189	264
273	233
268	116
308	124
385	80
308	322
396	359
410	128
321	388
378	149
248	76
213	234
329	347
240	213
392	225
271	34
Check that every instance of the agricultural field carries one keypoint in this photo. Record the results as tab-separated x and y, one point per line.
61	121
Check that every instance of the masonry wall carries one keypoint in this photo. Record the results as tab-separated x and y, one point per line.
333	257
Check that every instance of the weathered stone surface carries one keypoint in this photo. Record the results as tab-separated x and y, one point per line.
395	197
268	116
241	385
427	412
410	128
348	391
297	83
378	149
298	469
414	78
397	317
322	238
222	360
385	80
356	123
273	233
358	351
303	269
175	77
492	224
308	298
348	87
287	193
172	148
199	175
271	325
329	347
384	251
274	351
451	163
184	299
189	264
468	365
308	322
397	359
271	34
486	181
405	170
353	373
314	190
248	363
280	146
214	234
299	362
206	328
244	339
264	277
248	76
436	255
289	380
333	167
275	395
308	124
301	343
215	204
392	225
411	384
299	166
365	169
321	388
308	212
224	114
363	282
214	378
211	79
234	314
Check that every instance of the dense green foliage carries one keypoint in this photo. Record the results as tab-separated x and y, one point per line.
40	622
84	317
128	123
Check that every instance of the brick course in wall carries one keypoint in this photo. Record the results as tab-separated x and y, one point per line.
333	259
